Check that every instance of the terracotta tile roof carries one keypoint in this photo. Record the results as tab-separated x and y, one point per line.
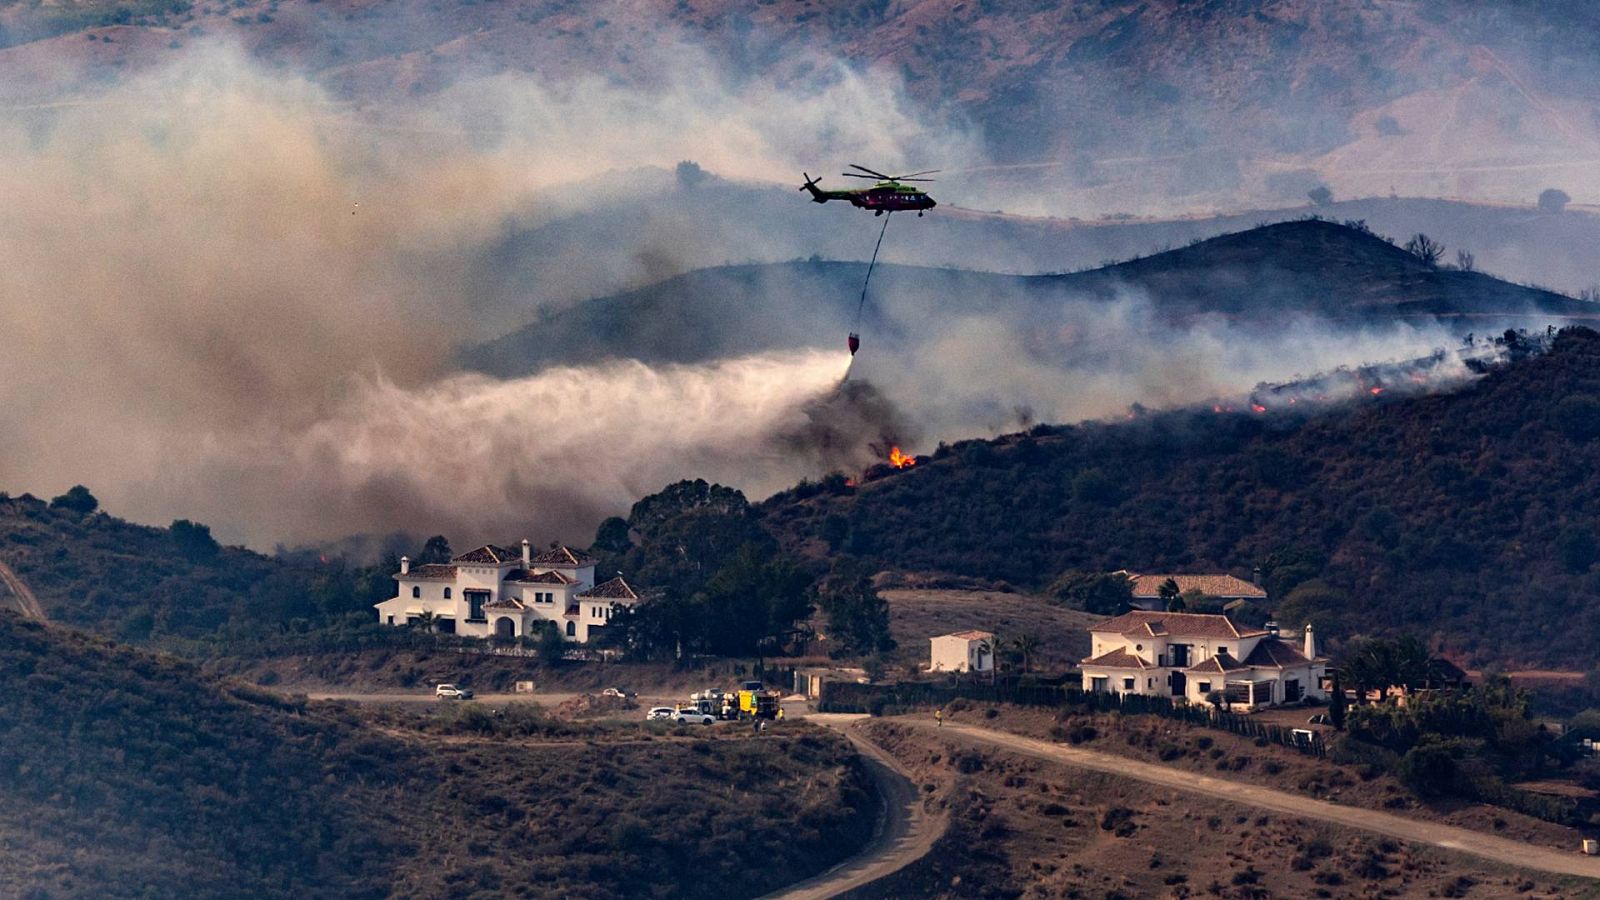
1117	659
572	611
562	555
1141	621
1217	665
489	554
505	603
1226	586
615	589
521	576
431	571
1270	654
971	635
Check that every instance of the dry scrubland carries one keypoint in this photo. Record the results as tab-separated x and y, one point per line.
127	774
916	615
1026	828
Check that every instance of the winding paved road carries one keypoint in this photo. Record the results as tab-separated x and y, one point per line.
24	599
904	832
1461	840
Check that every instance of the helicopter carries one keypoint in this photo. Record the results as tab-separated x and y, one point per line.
890	194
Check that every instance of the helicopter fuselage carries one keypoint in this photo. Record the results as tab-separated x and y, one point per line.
881	198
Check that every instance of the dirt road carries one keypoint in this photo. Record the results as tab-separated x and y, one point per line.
24	599
1461	840
904	833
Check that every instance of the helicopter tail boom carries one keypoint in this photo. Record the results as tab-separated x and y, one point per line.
817	195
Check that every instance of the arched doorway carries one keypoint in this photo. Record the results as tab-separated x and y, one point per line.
504	627
572	629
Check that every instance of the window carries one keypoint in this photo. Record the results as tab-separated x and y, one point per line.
572	629
1149	683
1127	684
1204	688
1221	650
391	620
1291	690
1098	685
475	602
416	590
1138	646
447	593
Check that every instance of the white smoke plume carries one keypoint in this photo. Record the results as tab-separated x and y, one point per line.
215	277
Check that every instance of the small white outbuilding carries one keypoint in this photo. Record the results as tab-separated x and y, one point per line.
963	651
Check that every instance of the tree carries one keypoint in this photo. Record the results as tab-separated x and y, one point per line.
858	618
1553	200
1465	261
690	175
435	552
1425	248
1101	593
425	621
77	499
835	528
1171	598
1320	195
1337	704
552	647
1027	644
612	536
1428	769
193	540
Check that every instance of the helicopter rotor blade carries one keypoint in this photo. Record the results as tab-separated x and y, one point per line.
915	174
855	175
870	172
916	179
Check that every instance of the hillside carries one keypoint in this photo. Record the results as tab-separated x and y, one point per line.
1263	276
1469	517
128	775
137	583
1108	104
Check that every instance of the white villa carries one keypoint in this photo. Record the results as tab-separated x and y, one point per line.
1190	655
496	592
962	651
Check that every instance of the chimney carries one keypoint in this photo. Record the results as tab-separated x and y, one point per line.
1272	629
1255	576
405	564
1311	643
527	555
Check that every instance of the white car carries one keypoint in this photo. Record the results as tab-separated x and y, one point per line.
660	713
692	717
451	692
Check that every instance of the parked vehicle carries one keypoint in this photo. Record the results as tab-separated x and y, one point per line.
660	713
451	692
693	717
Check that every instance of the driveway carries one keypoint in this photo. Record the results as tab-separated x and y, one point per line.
904	832
1461	840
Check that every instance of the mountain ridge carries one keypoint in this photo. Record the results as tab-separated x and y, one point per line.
1306	267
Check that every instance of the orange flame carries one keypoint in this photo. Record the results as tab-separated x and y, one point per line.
1256	407
900	460
1375	391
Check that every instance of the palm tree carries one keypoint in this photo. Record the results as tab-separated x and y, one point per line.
1027	644
425	621
1171	598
